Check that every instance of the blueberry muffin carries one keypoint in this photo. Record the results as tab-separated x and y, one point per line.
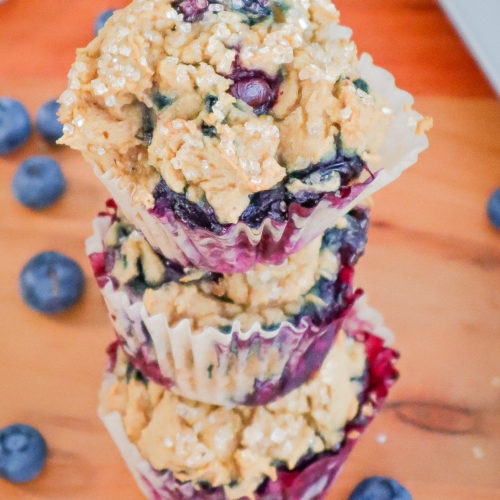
240	129
250	337
292	448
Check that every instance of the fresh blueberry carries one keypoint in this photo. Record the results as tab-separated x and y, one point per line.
494	208
23	452
38	182
101	19
380	488
15	126
47	121
50	282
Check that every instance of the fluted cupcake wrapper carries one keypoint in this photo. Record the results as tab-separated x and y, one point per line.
253	366
314	473
239	247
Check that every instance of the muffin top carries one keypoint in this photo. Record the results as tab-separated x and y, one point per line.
222	100
267	294
238	447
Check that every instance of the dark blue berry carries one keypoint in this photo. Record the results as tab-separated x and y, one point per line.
270	203
333	293
494	208
255	11
208	130
256	92
101	19
145	133
23	452
47	121
361	85
255	87
38	182
380	488
210	101
349	244
161	101
15	126
193	214
348	167
350	241
50	282
307	199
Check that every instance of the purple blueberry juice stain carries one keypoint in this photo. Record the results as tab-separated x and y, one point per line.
298	370
192	10
98	263
142	369
111	210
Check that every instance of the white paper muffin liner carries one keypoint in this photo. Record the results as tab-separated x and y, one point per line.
239	248
313	475
253	366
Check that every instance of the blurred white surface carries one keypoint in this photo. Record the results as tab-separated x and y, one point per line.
478	21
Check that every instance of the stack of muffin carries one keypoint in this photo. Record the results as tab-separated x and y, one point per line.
239	140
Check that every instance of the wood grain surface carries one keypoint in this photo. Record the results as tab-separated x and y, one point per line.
432	266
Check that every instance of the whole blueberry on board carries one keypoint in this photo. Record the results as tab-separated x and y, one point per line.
101	19
50	282
380	488
23	452
15	126
493	208
47	121
38	182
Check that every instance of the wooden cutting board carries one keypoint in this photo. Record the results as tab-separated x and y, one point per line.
432	266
